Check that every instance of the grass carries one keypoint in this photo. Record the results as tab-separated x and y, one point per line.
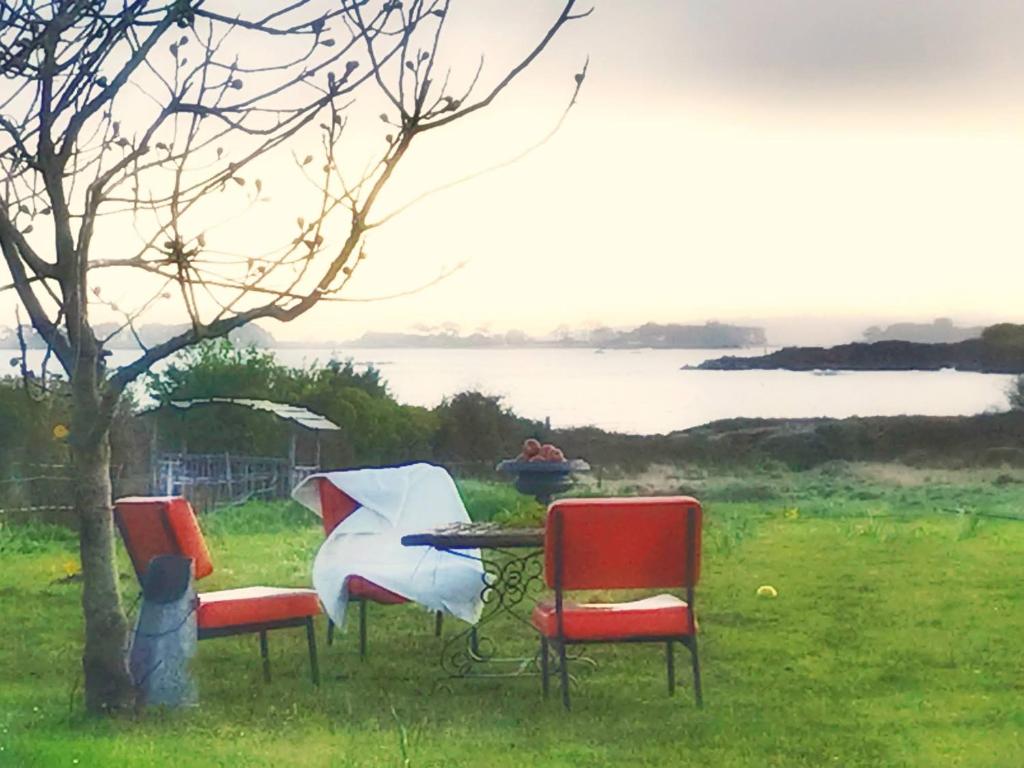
894	641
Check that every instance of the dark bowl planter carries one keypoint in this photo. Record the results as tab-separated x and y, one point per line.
542	479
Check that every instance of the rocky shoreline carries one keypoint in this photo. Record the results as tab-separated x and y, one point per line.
975	355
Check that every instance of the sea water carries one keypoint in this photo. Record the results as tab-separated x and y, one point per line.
647	391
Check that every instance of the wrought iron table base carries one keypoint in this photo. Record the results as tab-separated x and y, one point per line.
508	583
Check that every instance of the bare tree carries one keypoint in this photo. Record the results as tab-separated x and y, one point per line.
145	117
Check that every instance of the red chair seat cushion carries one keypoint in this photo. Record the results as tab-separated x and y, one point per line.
658	616
255	605
361	589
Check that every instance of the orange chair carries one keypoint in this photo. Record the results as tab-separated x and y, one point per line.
336	506
152	526
607	544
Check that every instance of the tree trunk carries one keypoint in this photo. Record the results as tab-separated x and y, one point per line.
108	686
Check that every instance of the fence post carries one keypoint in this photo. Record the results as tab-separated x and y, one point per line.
227	476
292	449
154	455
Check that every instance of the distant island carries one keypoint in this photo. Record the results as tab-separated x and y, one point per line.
939	331
999	349
151	334
648	336
710	335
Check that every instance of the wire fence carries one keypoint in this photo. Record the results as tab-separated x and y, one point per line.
40	491
45	491
213	479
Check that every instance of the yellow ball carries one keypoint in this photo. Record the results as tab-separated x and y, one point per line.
766	590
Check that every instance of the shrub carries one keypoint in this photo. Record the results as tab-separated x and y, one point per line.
34	458
476	427
374	428
1015	393
1006	335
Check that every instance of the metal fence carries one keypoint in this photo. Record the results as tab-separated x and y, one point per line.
45	491
210	479
36	492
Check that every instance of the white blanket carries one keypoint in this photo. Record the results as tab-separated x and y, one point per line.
395	501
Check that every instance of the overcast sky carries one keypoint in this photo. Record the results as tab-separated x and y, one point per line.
755	159
728	159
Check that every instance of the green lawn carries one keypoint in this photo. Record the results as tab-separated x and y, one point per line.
895	640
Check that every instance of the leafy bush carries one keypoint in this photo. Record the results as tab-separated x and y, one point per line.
1006	335
374	428
34	456
1015	393
477	427
26	426
220	369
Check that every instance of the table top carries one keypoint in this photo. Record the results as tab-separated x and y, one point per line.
476	536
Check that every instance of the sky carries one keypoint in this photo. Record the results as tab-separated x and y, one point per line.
737	159
845	163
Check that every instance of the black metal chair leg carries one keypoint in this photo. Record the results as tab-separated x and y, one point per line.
314	666
438	623
696	672
265	655
330	632
670	667
564	670
362	629
544	681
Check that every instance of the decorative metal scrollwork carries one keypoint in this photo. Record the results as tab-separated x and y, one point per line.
509	580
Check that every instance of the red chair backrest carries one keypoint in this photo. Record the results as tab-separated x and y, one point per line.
631	543
335	504
161	525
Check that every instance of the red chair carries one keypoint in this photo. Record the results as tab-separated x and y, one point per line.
635	543
336	506
152	526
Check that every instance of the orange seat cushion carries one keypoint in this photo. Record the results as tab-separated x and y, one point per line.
658	616
361	589
255	605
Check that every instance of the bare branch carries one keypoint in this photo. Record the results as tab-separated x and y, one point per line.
563	18
580	77
134	116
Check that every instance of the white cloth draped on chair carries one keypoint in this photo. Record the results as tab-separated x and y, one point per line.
394	502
